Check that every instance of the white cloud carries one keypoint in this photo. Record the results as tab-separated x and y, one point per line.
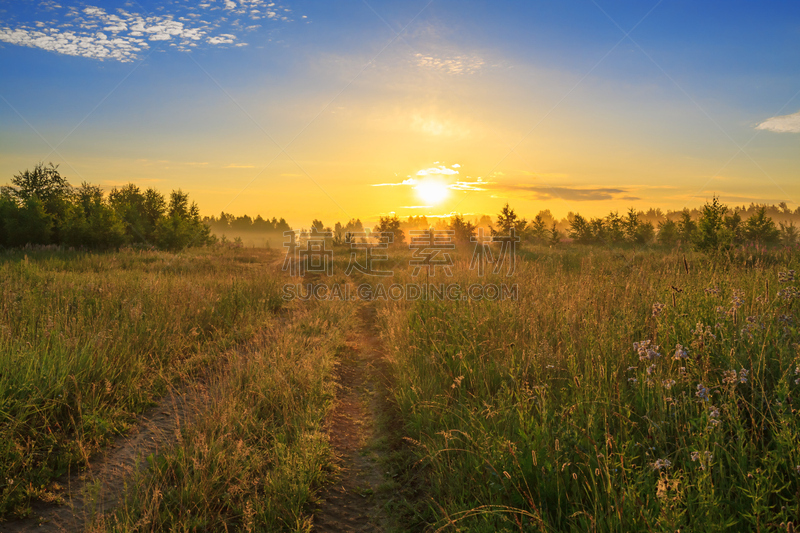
409	181
782	124
437	170
73	44
90	31
224	38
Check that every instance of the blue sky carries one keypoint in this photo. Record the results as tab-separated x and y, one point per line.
299	109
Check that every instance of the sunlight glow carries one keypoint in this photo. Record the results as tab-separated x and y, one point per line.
432	192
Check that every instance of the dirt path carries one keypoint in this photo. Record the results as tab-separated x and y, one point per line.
354	502
99	487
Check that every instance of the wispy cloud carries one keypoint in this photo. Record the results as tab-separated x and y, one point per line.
782	124
454	64
92	32
409	181
441	169
574	194
441	174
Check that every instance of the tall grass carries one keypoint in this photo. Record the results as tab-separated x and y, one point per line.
254	459
89	340
542	415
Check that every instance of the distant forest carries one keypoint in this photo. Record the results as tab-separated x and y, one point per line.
712	226
40	207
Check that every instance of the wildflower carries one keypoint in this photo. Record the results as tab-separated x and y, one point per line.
786	277
789	293
702	392
712	290
549	366
633	380
658	308
743	375
729	376
737	299
701	333
668	383
680	353
704	458
632	368
646	351
651	369
662	463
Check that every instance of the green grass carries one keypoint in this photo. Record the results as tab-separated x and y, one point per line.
89	340
538	415
528	415
254	460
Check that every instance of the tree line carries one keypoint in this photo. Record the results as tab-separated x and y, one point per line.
713	227
40	207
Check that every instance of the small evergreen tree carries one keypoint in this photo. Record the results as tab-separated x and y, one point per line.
761	228
686	228
463	230
538	231
506	220
709	236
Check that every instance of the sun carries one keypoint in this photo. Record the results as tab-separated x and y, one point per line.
432	192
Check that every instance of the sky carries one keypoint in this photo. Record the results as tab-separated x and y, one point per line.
360	109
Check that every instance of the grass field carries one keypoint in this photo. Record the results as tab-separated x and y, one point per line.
87	341
620	391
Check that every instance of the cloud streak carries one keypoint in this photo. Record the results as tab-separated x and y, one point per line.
574	194
782	124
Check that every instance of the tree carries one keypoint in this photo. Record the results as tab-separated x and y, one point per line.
614	228
128	203
733	232
760	228
28	223
91	222
538	230
389	230
686	228
668	233
182	226
788	234
463	229
508	220
155	208
53	191
709	235
579	230
555	236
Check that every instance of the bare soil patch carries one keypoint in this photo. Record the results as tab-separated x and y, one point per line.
354	502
